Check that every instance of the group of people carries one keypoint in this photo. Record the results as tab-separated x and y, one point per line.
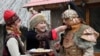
77	39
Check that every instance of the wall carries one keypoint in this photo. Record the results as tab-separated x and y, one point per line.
1	39
56	17
95	23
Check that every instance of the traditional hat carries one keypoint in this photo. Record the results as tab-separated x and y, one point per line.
36	19
10	17
69	13
74	11
79	11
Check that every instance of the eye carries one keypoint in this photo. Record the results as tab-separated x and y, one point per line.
42	22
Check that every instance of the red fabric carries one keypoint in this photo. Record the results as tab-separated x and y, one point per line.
8	14
5	53
54	34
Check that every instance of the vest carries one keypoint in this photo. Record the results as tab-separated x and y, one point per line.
81	43
5	49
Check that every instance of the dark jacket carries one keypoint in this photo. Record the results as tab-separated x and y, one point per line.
34	42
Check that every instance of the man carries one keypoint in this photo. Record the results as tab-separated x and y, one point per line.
79	39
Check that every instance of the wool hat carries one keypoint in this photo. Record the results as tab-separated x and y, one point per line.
36	19
10	17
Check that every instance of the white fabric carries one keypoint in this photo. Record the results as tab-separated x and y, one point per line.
13	48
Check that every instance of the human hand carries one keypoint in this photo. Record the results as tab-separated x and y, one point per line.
57	46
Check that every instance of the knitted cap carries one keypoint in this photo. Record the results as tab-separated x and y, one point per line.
10	17
36	19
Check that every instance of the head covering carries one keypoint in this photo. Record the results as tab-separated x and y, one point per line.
79	11
10	17
70	13
36	19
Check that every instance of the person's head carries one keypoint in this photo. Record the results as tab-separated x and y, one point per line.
11	19
70	17
38	22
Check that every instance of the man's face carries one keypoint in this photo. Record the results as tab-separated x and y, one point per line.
66	21
41	27
72	21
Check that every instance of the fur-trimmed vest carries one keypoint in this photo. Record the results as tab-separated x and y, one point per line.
5	49
81	43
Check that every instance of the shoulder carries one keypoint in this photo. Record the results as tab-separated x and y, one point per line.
12	41
90	31
89	28
85	26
